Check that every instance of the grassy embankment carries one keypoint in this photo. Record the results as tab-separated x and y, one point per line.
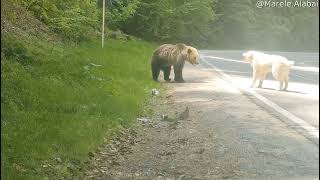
54	105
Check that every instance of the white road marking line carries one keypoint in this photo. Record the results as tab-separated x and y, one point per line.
308	69
298	68
314	132
225	59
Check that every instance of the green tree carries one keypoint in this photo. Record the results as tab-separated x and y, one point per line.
172	20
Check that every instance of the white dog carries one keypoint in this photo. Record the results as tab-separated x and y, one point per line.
262	64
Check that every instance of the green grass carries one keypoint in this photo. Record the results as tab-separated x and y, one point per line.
53	106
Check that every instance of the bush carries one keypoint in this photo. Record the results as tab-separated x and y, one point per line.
73	19
11	48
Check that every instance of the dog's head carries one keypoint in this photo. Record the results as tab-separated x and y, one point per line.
248	56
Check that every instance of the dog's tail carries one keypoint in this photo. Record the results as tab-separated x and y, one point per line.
291	63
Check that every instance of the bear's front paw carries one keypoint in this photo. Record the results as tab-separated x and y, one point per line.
168	80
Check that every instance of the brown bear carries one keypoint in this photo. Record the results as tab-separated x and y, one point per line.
168	55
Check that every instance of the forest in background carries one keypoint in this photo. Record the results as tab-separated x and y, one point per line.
209	24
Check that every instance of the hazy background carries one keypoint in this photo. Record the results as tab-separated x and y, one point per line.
218	24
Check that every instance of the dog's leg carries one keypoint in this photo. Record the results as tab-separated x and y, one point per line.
263	77
280	85
254	79
285	84
260	83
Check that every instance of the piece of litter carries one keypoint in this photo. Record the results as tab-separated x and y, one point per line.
164	117
155	92
143	120
97	65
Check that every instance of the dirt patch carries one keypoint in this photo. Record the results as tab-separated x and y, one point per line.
20	22
149	138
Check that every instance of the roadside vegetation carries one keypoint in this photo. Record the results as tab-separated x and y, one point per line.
60	99
59	104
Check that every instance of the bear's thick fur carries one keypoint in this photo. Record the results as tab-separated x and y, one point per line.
263	63
168	55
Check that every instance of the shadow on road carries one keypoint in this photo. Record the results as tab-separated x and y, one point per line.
289	91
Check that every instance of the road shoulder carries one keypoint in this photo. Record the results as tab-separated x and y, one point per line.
225	135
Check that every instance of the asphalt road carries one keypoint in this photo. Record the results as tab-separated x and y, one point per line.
224	133
302	97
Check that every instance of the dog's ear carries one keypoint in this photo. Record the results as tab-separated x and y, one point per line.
248	56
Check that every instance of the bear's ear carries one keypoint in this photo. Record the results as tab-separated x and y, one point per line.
181	46
189	51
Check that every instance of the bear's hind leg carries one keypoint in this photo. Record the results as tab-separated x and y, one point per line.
155	68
